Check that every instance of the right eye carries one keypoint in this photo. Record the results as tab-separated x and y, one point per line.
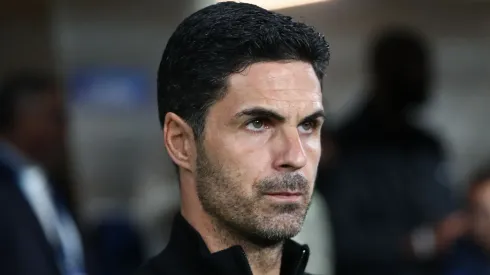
256	125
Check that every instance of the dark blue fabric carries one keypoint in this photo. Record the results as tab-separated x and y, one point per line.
24	249
78	267
467	259
119	246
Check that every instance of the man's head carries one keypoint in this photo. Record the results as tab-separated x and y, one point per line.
32	117
239	94
400	67
479	206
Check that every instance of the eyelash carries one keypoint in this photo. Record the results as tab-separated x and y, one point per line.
265	121
314	123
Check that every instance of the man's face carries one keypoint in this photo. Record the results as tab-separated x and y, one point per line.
480	210
257	162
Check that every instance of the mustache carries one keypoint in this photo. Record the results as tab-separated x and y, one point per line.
287	183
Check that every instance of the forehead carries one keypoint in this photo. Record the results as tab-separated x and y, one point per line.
283	84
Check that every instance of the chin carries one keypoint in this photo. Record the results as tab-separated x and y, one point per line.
284	225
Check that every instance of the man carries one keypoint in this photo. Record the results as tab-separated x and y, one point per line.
240	102
388	194
38	234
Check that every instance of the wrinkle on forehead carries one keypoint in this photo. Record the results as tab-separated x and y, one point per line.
282	81
291	89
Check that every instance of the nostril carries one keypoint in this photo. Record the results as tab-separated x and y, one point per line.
286	166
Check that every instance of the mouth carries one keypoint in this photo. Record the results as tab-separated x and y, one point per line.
285	196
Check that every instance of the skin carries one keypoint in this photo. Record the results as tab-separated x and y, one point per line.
480	214
261	139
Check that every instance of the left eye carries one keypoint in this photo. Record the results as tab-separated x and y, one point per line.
307	127
256	125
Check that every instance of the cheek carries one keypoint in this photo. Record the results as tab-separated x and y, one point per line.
253	168
313	151
251	156
242	168
312	146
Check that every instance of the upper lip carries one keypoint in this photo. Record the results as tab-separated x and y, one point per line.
284	193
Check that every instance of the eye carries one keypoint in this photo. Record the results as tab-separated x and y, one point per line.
307	127
256	125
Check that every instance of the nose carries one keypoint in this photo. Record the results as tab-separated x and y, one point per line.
290	154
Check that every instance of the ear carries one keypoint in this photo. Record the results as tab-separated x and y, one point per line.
179	141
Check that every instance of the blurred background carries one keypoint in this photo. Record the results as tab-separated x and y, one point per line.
107	52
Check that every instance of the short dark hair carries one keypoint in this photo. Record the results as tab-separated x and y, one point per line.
223	39
16	86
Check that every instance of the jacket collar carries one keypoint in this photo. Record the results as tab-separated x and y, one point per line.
187	242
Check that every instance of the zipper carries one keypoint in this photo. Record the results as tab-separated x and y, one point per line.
298	265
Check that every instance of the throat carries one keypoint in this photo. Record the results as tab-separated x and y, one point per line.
259	257
262	258
266	261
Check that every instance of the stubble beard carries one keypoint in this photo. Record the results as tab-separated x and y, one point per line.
253	219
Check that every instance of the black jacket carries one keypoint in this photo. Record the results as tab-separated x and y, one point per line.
24	248
187	254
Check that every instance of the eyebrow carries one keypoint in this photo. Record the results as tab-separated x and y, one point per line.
316	115
266	113
260	112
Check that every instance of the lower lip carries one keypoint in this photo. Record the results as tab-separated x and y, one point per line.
285	198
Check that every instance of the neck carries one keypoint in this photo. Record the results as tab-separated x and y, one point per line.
263	260
266	261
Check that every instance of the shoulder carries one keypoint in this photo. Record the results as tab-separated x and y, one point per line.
154	266
464	256
10	195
